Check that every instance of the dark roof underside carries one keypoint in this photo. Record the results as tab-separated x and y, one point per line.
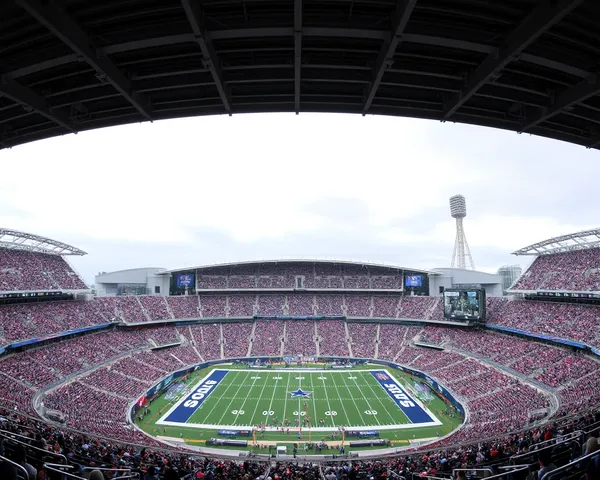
523	65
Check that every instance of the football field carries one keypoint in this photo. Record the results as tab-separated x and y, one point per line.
322	400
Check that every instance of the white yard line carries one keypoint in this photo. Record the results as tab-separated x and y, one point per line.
352	396
365	398
225	410
328	404
381	402
342	403
257	400
285	402
299	400
312	385
174	407
272	398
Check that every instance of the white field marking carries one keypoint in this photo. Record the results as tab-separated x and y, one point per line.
299	387
258	401
181	400
286	399
272	397
217	402
225	410
366	399
295	429
313	401
353	400
414	398
303	370
328	404
388	398
342	403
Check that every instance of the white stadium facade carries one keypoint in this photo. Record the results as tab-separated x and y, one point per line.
160	281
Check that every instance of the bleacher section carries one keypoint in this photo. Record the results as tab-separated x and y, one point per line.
314	275
31	271
577	271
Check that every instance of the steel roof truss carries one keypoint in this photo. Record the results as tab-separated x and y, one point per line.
566	243
32	101
545	15
297	52
209	56
385	58
576	94
72	35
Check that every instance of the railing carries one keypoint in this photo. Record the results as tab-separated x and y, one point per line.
574	469
21	472
535	449
23	440
488	474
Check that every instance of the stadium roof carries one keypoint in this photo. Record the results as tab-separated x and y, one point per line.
260	262
565	243
523	65
15	240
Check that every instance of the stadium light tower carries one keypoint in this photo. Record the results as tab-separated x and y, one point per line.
458	210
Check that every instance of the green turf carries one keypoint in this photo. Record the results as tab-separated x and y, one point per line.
349	397
338	398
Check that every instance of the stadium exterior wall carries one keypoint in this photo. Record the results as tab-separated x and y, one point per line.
454	277
110	284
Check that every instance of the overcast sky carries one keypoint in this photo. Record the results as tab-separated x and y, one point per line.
214	189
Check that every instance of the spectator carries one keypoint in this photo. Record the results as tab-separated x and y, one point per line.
20	457
545	462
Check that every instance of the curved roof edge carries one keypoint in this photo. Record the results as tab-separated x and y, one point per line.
299	260
584	240
29	242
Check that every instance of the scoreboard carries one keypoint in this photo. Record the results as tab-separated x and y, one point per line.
464	304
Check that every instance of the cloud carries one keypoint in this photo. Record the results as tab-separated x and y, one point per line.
199	190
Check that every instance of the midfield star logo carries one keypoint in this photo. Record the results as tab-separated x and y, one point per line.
300	393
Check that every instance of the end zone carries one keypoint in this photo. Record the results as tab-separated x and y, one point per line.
182	411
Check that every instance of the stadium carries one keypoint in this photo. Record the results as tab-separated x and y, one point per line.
334	358
300	368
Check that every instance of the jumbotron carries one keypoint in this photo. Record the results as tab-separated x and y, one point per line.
300	368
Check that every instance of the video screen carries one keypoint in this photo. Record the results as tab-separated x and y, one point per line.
414	280
464	304
185	280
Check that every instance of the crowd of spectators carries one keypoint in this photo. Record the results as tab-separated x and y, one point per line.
236	337
300	337
24	321
577	322
329	304
93	411
566	371
301	304
358	305
155	307
267	338
362	336
271	304
127	366
184	306
213	306
393	339
572	271
128	308
332	338
90	451
242	305
312	276
86	451
207	339
21	270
